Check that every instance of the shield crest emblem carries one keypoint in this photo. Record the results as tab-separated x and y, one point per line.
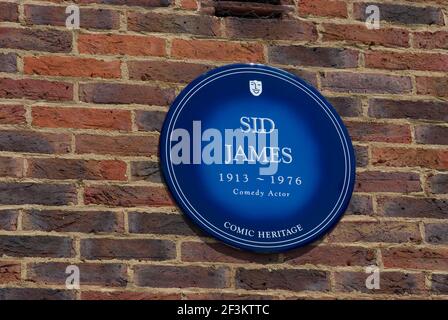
256	87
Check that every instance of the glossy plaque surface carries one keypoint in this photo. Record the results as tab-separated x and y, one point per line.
257	158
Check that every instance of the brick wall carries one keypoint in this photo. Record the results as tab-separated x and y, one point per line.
80	114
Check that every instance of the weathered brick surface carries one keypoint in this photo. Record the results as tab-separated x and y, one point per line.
37	193
139	249
36	246
413	207
125	93
112	44
9	272
89	18
117	145
12	114
367	231
8	62
331	255
39	40
418	258
28	141
35	89
80	118
168	71
402	14
127	196
391	282
160	223
73	221
313	56
365	83
8	219
388	37
284	279
439	283
71	67
106	275
181	277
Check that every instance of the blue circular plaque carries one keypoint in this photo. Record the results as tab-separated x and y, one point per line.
257	158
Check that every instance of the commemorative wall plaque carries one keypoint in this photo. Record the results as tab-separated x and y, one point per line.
257	158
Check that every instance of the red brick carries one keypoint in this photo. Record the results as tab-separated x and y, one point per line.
408	207
12	114
434	86
117	145
127	196
227	296
35	89
270	29
89	18
11	167
138	3
217	50
35	142
121	45
36	246
95	274
161	223
331	255
128	295
76	169
377	181
431	40
323	8
37	193
398	109
8	220
9	12
428	134
282	279
9	271
168	71
40	40
81	118
365	83
217	252
71	67
416	258
396	283
381	132
189	4
73	221
354	33
36	294
120	93
406	61
139	249
313	56
410	157
403	14
181	277
174	23
372	231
